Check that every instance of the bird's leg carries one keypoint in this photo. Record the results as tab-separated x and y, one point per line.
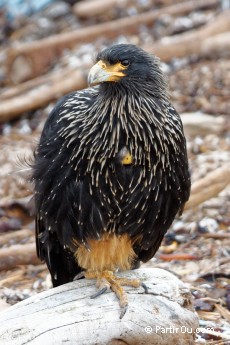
107	280
102	283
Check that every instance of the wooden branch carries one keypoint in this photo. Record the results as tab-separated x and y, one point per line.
216	235
49	78
177	256
42	90
67	314
41	95
202	124
15	236
193	42
209	186
216	46
18	254
13	278
92	8
42	53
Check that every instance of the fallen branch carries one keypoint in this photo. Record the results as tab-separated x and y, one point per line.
92	8
225	313
44	89
49	78
216	46
202	124
67	314
40	54
42	94
216	235
18	254
199	42
15	236
208	187
177	256
14	277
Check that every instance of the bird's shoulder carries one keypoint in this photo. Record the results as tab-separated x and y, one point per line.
69	107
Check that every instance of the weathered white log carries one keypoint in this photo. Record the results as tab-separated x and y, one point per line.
202	124
38	55
18	254
67	315
209	186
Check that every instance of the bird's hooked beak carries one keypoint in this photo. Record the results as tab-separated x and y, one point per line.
103	72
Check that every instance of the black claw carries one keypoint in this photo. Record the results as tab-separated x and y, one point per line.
123	311
99	293
145	287
79	276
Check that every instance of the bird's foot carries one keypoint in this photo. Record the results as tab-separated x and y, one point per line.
107	280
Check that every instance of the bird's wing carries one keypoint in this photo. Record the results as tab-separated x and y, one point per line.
59	258
169	188
61	262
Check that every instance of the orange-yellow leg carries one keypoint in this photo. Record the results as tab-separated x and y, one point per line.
107	280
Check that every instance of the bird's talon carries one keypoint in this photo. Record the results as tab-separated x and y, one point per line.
123	311
145	287
79	276
99	292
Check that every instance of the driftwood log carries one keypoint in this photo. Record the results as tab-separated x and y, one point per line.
91	8
18	254
67	315
35	57
15	236
42	94
209	41
196	42
209	186
203	124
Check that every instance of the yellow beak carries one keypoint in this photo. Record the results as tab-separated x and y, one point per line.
102	72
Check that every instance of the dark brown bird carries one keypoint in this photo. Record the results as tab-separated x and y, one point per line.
110	172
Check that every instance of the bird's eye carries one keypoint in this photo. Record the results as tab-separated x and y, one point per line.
125	63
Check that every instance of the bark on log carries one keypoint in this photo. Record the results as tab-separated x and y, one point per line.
216	46
50	78
15	236
209	186
42	95
42	90
18	254
92	8
195	42
202	124
54	45
66	314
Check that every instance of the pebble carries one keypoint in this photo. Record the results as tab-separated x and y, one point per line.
208	225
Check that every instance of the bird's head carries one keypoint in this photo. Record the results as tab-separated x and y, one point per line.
127	65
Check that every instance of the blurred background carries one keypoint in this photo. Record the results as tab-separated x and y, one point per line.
47	48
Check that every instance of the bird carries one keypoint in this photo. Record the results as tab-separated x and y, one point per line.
110	172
